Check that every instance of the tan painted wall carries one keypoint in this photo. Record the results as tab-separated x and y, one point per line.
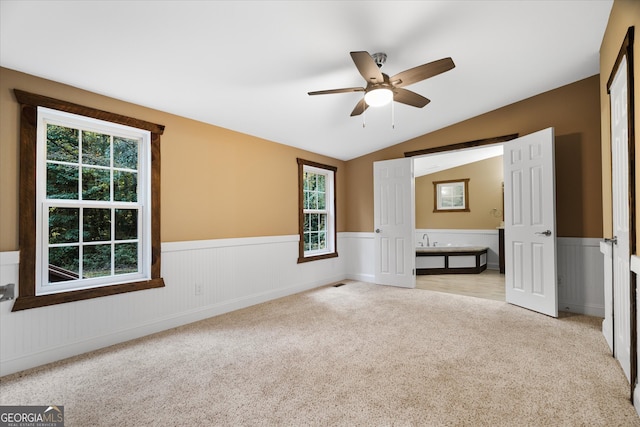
216	183
485	195
573	110
624	14
208	172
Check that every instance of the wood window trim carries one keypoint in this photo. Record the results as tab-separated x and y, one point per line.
27	298
301	258
451	181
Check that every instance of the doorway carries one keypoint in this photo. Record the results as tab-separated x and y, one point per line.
530	223
483	166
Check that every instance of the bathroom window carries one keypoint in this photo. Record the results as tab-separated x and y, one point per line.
317	219
451	196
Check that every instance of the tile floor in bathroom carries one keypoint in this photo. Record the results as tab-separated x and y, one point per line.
489	284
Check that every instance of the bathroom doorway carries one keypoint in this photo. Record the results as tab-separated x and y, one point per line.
483	167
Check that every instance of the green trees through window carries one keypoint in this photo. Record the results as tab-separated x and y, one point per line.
317	221
89	222
88	171
315	211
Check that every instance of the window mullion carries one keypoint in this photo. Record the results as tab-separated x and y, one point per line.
80	167
81	243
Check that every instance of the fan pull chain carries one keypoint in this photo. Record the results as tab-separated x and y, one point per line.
393	116
364	115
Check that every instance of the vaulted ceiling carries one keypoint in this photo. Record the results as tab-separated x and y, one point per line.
248	65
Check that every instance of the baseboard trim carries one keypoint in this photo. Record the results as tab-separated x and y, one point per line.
28	361
369	278
588	310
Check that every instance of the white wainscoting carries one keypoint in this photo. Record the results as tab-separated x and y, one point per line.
360	256
203	279
488	238
232	274
579	262
580	276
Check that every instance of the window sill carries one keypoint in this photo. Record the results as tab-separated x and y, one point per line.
317	257
30	301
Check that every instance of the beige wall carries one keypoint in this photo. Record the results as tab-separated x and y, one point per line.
216	183
573	110
485	197
624	14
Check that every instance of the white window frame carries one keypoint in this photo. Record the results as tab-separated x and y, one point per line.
329	211
143	204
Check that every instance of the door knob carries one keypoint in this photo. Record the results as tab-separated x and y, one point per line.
377	230
545	233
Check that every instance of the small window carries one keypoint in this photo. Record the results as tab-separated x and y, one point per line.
317	219
451	196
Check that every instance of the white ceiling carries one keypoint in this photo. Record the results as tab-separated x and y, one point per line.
433	163
248	65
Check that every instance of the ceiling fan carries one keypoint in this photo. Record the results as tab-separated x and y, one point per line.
381	88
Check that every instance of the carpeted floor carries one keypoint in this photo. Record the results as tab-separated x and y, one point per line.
355	355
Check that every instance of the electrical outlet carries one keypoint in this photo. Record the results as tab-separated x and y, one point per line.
198	289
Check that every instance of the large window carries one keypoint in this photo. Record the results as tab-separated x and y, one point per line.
317	211
89	203
93	207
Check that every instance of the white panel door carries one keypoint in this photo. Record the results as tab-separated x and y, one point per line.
620	199
394	222
530	223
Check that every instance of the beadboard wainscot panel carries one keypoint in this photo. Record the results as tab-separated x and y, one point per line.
203	279
580	276
360	256
607	278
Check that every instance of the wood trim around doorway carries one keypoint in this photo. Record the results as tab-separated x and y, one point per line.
462	145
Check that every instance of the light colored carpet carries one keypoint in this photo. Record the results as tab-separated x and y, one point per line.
356	355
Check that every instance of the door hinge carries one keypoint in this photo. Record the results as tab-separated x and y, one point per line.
413	272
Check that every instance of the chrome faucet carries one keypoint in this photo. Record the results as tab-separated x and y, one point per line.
427	236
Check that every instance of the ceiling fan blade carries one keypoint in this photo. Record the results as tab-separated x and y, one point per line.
405	96
422	72
360	107
367	67
345	90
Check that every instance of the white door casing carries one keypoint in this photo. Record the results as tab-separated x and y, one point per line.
394	222
530	225
620	200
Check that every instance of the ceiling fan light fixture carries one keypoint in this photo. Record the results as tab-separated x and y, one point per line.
378	97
